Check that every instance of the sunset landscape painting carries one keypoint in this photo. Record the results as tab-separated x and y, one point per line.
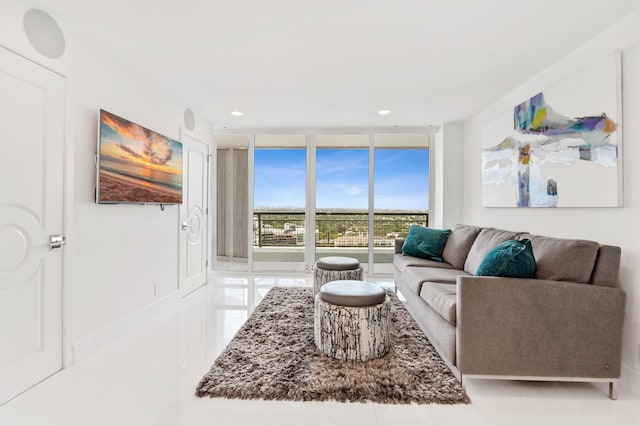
137	165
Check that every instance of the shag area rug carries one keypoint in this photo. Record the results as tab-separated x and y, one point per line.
273	357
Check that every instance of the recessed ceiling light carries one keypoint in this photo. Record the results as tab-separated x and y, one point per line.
237	113
384	112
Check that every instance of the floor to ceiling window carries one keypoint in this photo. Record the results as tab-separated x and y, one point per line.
279	200
342	196
317	195
401	192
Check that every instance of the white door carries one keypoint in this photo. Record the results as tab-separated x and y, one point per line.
194	213
31	211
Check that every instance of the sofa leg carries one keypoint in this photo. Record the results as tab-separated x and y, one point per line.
463	383
613	390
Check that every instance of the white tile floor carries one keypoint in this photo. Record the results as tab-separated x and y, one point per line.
148	377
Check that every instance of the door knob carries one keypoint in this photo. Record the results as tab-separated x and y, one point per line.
57	241
185	226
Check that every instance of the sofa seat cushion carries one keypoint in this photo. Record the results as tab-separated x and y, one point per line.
400	261
486	240
441	298
559	259
459	243
414	276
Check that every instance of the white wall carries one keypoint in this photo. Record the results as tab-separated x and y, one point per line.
616	226
115	253
446	209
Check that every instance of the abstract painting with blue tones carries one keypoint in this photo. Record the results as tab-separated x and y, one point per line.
560	147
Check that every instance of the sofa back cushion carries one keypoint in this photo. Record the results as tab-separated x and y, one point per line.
459	243
486	240
561	259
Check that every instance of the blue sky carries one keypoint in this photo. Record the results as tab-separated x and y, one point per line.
400	180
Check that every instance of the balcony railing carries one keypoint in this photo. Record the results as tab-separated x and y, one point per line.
336	229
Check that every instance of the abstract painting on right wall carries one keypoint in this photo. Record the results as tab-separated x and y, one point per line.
561	147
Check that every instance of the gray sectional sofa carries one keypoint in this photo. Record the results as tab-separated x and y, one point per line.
565	325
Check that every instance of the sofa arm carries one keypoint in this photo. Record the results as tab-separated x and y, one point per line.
398	245
538	328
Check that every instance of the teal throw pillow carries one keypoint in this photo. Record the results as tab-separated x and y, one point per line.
427	243
512	258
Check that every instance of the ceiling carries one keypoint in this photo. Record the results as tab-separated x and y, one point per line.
300	63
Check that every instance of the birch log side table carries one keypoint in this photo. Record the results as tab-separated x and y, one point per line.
334	268
351	320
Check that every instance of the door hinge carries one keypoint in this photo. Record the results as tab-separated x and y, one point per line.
206	263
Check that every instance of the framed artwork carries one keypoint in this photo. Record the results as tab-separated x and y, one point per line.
562	147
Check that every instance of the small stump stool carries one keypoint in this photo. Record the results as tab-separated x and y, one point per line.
351	320
335	268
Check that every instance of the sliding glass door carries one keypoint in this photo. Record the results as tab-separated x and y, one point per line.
342	196
279	202
401	193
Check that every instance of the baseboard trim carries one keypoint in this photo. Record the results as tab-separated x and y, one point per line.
89	345
630	380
